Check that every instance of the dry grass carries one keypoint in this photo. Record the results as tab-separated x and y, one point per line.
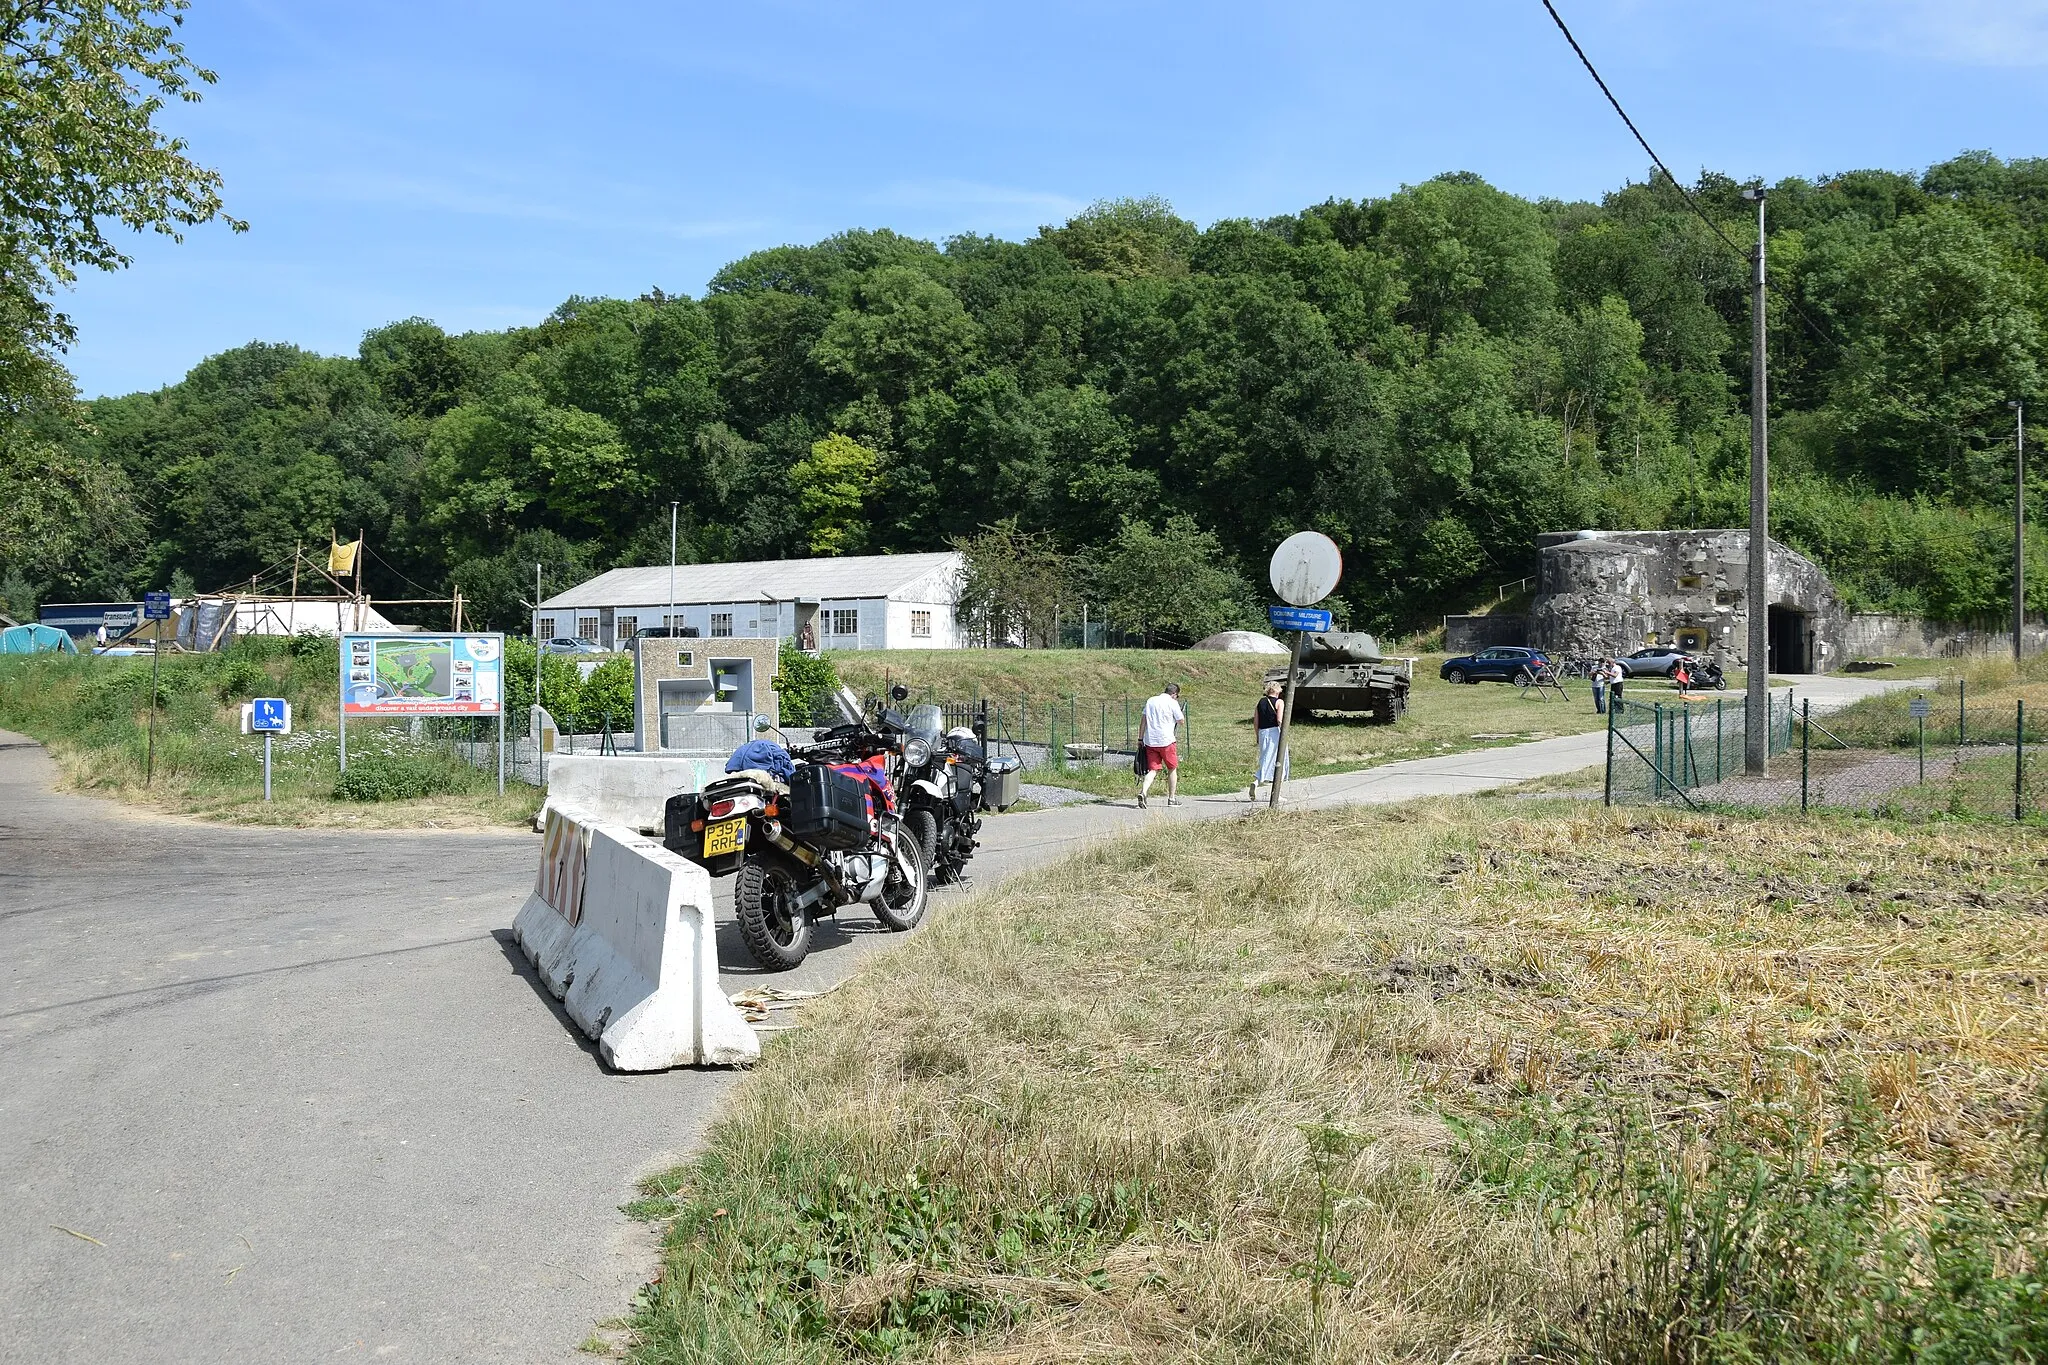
1292	1088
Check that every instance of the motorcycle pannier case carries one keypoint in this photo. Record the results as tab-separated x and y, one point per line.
999	783
827	809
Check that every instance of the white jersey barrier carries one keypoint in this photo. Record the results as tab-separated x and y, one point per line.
621	931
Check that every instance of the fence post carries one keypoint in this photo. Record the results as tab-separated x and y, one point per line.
2019	753
1657	748
1607	786
1923	750
1717	741
1102	733
1960	687
1805	748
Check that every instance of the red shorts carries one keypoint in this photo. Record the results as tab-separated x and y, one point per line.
1159	756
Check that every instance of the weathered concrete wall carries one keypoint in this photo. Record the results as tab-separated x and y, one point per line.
1873	635
692	660
1611	592
621	789
1469	634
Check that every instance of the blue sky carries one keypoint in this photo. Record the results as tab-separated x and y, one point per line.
476	163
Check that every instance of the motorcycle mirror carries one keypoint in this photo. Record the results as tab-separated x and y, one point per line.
761	725
899	693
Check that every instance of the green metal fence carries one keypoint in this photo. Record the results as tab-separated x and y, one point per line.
1672	751
1914	755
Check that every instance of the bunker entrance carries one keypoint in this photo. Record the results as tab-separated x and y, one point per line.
1787	626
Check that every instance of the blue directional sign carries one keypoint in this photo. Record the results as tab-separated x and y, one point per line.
1297	618
270	716
156	606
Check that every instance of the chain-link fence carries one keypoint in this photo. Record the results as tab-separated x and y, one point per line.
1057	730
1920	755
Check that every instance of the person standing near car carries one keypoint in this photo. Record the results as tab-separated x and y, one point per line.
1157	747
1597	675
1267	722
1616	676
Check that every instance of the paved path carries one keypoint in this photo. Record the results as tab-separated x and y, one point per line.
303	1093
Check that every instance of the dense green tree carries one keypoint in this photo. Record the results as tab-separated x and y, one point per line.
1433	378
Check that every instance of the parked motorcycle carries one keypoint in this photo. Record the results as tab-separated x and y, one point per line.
947	783
825	834
1708	677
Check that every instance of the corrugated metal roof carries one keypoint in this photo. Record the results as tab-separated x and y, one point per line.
759	581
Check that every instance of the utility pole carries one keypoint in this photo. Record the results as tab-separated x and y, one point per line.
669	621
1756	736
2019	527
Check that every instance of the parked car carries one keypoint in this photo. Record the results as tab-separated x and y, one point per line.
570	644
665	633
1502	663
1657	661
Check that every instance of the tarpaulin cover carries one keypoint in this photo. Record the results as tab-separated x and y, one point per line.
34	639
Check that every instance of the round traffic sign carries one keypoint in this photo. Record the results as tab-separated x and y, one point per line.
1306	568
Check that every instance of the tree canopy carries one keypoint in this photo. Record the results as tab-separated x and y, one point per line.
1432	378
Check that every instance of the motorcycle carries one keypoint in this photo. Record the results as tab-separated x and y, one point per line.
1708	677
825	834
948	783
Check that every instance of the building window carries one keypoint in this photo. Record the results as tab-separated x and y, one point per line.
545	628
721	623
628	627
920	625
586	628
844	621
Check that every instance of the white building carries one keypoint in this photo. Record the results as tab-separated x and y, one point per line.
856	602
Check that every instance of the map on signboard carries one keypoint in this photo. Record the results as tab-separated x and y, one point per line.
422	675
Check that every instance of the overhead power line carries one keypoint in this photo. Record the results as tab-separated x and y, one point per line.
1813	325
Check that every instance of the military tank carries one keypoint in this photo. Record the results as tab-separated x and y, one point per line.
1344	671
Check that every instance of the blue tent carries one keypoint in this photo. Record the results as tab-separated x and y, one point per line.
33	639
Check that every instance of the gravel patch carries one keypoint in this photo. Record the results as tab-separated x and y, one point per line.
1053	796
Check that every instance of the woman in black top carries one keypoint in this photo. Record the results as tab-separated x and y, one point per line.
1267	719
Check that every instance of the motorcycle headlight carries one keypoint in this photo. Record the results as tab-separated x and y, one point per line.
916	752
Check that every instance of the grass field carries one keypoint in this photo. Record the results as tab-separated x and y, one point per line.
1219	694
1460	1080
92	713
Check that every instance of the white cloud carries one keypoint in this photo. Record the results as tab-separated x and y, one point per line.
1968	32
949	194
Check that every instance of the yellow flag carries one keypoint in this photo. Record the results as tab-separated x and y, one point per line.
341	558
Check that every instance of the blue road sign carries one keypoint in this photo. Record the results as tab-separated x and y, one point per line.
156	606
270	715
1297	618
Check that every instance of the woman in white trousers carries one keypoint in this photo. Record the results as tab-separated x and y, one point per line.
1268	723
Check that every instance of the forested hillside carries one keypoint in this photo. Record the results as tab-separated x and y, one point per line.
1432	378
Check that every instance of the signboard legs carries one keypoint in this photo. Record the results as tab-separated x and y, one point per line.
344	738
266	767
501	751
1286	720
156	664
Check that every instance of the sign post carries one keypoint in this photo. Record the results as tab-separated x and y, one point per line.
1921	709
156	606
268	717
1304	571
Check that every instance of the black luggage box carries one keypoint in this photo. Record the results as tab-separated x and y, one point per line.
827	809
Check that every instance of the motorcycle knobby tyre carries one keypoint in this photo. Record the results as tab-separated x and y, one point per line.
778	938
924	827
906	912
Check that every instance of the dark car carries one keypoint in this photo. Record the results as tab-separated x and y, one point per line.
666	633
1502	663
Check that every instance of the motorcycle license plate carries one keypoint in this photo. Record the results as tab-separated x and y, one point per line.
727	836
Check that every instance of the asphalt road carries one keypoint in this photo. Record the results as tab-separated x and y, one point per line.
281	1095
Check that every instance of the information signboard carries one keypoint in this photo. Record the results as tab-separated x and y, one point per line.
1297	618
1921	708
156	606
417	674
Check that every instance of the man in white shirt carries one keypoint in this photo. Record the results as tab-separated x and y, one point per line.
1157	747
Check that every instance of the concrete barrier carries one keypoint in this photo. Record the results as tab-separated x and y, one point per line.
623	789
622	933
